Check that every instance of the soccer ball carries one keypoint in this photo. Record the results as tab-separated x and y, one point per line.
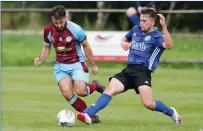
65	118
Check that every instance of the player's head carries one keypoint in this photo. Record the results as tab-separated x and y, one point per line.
147	19
58	15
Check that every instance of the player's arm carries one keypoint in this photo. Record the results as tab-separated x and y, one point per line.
88	52
133	15
126	40
45	50
89	55
44	54
167	37
125	43
82	38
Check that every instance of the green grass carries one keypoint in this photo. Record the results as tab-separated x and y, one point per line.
185	48
31	100
22	49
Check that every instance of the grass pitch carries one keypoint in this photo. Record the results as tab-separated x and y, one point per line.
31	100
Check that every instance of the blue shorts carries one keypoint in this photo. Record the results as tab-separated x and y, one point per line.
77	71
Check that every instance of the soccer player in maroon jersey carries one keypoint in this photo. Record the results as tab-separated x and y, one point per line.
70	69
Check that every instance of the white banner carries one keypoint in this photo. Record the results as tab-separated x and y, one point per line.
106	45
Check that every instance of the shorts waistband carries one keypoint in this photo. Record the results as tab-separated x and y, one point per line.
138	66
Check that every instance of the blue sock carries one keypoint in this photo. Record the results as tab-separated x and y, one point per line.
135	19
100	103
161	107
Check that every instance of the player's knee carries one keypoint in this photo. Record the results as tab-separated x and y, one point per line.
110	93
67	95
80	89
149	105
110	90
81	93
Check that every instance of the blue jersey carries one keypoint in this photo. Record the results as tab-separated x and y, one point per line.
146	47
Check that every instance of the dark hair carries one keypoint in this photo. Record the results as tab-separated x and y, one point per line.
150	11
58	12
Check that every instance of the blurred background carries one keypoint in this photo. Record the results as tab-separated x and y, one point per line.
30	92
28	19
184	16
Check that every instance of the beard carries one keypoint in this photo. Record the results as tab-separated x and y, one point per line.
60	28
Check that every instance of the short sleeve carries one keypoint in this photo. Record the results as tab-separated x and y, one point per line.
81	34
132	32
77	31
135	19
47	36
160	40
129	35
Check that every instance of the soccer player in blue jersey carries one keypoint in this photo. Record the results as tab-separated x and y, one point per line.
145	44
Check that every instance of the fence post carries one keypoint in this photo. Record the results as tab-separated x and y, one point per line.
169	14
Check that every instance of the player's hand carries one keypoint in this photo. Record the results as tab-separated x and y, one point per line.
94	70
162	20
131	11
126	45
139	8
37	61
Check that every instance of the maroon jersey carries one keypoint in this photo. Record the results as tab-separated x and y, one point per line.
67	43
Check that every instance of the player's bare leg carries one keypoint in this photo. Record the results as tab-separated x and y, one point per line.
115	87
66	87
146	96
82	89
155	105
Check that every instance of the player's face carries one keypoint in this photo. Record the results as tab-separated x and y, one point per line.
146	22
59	23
